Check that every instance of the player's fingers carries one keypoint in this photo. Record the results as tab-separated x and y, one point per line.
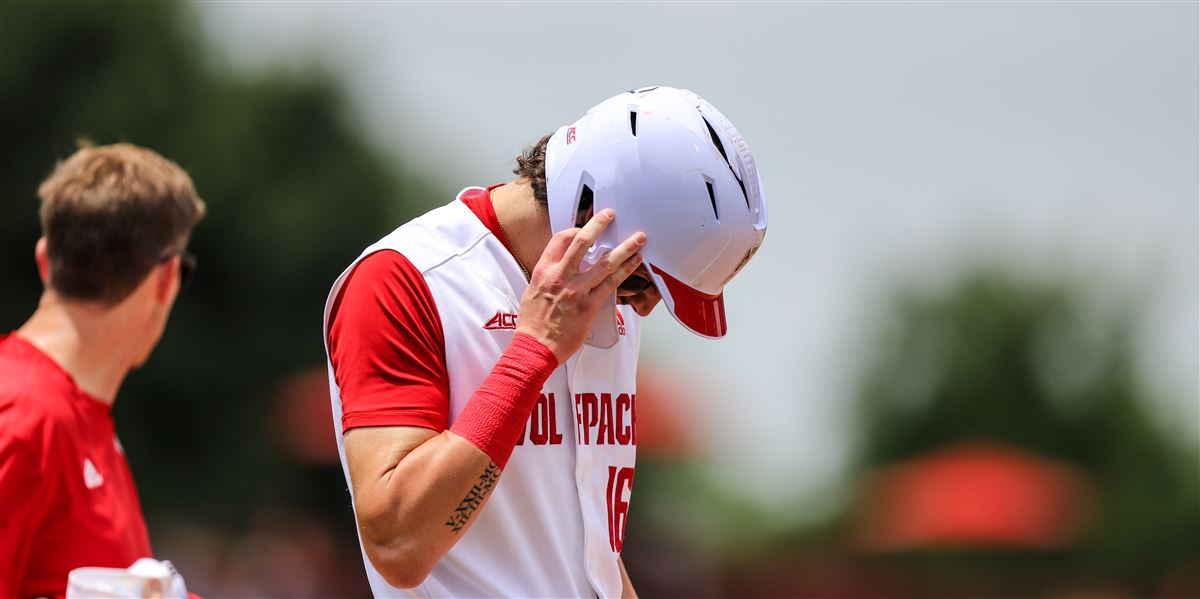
615	259
558	246
609	284
586	238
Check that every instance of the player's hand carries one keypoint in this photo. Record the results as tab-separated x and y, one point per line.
560	303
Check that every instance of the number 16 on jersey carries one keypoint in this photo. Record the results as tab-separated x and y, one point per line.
620	484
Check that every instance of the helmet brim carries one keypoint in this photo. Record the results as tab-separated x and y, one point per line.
701	313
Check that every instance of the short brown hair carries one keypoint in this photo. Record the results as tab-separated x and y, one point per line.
109	215
531	165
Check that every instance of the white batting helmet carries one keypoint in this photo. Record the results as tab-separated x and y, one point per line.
669	164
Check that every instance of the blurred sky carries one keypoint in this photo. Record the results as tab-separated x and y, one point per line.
897	142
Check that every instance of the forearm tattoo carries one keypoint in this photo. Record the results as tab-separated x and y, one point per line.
474	498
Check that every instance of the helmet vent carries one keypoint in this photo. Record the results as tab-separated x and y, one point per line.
712	198
585	206
716	140
633	122
721	148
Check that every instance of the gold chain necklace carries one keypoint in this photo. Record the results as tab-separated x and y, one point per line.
508	242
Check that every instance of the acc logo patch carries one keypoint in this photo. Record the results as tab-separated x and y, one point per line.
501	321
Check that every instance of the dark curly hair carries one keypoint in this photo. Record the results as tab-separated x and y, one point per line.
531	165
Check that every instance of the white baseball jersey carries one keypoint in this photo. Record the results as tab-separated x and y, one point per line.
554	523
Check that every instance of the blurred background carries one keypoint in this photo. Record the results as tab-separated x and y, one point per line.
964	364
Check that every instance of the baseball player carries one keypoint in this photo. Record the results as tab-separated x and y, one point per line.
115	224
482	357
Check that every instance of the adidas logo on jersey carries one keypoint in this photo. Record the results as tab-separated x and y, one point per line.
91	477
501	321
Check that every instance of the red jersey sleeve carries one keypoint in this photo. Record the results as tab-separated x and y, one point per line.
387	347
20	480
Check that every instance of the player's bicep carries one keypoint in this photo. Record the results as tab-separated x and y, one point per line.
374	452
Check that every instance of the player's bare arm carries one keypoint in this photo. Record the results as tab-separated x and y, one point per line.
416	491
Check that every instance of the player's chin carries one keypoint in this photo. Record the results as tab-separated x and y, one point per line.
643	303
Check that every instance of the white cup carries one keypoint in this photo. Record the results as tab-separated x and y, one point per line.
145	579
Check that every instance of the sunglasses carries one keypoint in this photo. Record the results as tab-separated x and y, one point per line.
187	264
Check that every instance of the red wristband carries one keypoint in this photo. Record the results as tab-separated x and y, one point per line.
496	414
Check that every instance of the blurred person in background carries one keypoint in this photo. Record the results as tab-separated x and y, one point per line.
458	342
115	226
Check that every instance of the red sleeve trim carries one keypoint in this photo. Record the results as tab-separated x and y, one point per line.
387	347
429	419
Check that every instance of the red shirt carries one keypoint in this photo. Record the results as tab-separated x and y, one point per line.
67	497
386	343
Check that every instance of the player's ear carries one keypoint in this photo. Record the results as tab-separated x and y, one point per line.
42	258
168	276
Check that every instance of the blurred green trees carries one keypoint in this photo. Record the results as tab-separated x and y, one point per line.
293	191
1032	364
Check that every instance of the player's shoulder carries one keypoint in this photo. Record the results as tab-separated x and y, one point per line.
381	279
33	391
23	370
436	237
